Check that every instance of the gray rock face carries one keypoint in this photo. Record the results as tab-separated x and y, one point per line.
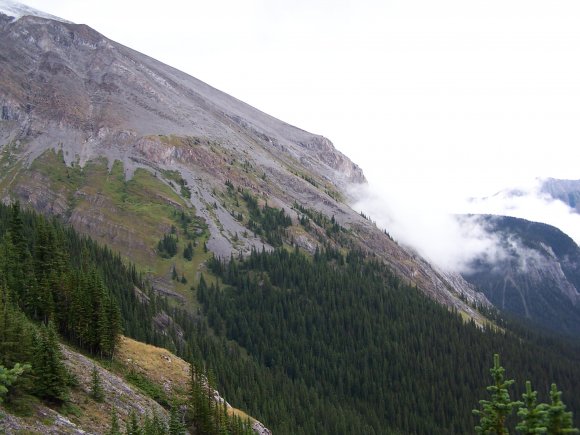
63	76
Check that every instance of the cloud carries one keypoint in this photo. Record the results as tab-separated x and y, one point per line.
418	221
529	202
424	222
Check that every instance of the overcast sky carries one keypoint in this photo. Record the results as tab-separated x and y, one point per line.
435	100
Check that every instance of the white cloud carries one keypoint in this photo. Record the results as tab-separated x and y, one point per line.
423	222
418	221
531	204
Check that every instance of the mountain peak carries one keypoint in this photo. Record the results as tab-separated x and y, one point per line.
17	10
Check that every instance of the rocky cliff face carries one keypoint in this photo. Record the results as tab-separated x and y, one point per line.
67	88
538	275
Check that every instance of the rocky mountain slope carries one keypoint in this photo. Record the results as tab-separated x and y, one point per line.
538	276
85	415
119	144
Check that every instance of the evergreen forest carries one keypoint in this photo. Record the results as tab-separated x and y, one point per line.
330	343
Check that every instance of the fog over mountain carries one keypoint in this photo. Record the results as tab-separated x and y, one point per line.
548	201
430	225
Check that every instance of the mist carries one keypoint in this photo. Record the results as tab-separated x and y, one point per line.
529	202
418	220
446	234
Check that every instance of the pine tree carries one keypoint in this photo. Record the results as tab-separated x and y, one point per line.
531	414
154	425
49	371
176	427
188	251
97	392
115	427
9	376
494	413
132	426
558	421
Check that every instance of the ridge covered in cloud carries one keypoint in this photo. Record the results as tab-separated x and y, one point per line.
533	203
453	241
420	223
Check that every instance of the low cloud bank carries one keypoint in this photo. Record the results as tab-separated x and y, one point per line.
424	222
419	222
529	202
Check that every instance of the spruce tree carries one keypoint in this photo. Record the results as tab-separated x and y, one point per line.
494	412
49	371
97	392
9	376
531	414
154	425
115	428
132	426
558	421
176	427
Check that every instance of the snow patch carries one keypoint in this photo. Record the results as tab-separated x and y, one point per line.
18	10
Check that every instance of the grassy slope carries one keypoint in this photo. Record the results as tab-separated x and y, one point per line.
160	366
139	376
130	216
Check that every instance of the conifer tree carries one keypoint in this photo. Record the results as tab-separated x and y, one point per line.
97	392
176	426
132	426
495	411
9	376
49	371
531	414
558	421
115	429
154	425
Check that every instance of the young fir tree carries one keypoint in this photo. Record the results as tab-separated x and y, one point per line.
97	392
9	376
495	411
115	427
176	427
531	414
132	426
154	425
49	371
557	420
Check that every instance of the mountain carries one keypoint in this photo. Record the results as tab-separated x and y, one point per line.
536	277
567	191
223	235
108	138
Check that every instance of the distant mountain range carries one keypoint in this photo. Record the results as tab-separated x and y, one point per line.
537	275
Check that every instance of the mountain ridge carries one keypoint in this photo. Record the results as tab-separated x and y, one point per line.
101	99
